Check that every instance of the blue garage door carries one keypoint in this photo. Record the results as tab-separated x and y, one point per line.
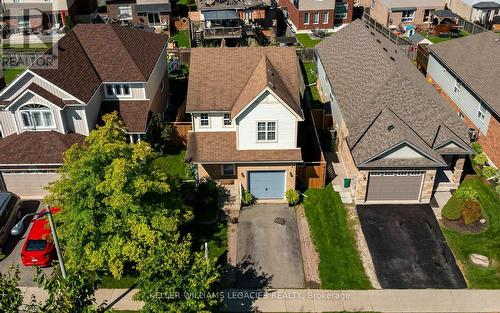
267	184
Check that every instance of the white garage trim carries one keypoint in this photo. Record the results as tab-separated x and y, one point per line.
394	186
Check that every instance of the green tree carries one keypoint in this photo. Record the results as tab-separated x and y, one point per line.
159	134
11	297
116	207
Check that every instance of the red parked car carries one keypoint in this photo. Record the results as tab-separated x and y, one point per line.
38	249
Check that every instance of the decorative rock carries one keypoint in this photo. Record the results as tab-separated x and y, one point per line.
480	260
482	221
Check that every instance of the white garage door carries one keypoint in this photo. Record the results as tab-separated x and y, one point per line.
28	185
393	186
267	184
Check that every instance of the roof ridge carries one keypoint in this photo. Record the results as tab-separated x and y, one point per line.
85	52
114	28
263	58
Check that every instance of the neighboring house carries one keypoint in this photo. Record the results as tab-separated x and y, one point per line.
477	11
233	19
394	13
314	14
245	123
101	68
152	13
468	72
396	138
38	15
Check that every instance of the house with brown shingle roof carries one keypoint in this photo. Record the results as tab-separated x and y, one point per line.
99	68
245	109
396	138
466	71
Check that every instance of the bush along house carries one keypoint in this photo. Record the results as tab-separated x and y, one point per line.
100	68
466	73
397	140
244	126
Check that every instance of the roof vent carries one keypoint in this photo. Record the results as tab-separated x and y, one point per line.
385	49
393	59
390	127
271	84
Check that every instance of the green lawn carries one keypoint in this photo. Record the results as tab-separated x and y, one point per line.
306	41
340	266
11	73
310	78
182	39
126	281
486	242
32	46
437	39
173	164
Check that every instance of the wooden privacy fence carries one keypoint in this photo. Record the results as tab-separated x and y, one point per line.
312	175
181	130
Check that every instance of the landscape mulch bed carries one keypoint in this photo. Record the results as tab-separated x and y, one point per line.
460	226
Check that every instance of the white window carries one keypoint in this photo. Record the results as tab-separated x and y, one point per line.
204	121
341	11
152	18
118	90
458	86
325	17
35	116
427	14
227	169
227	119
266	131
306	18
481	112
125	12
407	16
316	17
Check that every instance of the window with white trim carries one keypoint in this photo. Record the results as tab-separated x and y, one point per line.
227	169
227	119
325	17
427	14
407	16
36	116
118	90
306	18
266	131
204	120
125	12
316	18
481	112
152	18
457	87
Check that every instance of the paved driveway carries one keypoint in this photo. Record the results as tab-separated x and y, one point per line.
408	247
14	246
268	252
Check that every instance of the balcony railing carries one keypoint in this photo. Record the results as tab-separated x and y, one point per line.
222	32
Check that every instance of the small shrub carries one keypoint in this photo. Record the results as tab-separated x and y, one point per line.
481	159
477	148
489	171
292	196
207	194
471	212
466	193
452	210
247	198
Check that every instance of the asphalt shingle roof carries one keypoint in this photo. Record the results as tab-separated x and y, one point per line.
375	86
476	61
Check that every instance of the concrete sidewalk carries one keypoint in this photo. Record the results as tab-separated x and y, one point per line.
314	300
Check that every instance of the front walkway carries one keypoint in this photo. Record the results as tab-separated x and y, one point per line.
309	300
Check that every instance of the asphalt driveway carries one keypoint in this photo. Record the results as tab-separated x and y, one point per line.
408	248
268	250
14	245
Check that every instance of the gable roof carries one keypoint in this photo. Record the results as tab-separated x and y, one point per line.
375	87
227	79
94	53
475	59
42	92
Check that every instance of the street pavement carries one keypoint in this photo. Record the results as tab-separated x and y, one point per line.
14	245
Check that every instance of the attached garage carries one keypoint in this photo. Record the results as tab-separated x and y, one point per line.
394	186
28	185
267	184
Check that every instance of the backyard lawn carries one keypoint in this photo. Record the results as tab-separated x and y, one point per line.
182	39
437	39
306	41
173	164
11	73
485	243
340	266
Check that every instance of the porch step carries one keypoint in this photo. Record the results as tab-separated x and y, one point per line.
446	187
345	197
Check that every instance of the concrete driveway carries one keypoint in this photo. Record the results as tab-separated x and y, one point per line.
408	248
14	245
269	250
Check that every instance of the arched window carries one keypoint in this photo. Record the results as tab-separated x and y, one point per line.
37	116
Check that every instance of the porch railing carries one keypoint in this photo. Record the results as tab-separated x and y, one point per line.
222	32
